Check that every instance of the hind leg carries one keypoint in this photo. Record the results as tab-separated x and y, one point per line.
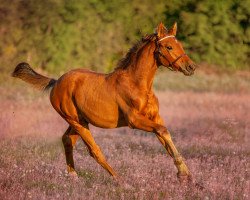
69	139
94	149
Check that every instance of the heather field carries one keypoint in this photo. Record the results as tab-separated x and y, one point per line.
207	114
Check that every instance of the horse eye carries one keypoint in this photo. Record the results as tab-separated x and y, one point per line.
169	47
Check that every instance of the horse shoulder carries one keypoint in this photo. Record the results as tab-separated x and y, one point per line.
151	110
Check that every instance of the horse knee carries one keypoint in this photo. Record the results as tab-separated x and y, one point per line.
162	131
167	135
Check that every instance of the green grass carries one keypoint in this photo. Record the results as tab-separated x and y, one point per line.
198	151
203	82
45	185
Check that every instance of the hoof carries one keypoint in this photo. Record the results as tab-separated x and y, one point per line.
184	178
120	182
73	175
187	179
199	186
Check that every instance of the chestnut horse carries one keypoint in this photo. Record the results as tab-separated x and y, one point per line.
121	98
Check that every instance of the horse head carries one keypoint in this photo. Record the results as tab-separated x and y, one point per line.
170	53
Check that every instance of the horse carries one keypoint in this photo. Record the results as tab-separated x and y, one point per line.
121	98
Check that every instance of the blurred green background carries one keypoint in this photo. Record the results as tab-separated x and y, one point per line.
58	35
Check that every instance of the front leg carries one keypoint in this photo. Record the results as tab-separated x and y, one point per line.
138	121
181	166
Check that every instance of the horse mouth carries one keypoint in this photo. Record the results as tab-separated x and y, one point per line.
187	73
188	70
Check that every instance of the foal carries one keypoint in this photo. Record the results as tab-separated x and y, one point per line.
122	98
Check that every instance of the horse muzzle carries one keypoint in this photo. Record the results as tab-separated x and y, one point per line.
188	70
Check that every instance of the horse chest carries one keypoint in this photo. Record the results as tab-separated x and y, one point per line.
150	110
147	106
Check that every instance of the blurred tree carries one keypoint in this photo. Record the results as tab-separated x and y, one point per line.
216	32
58	35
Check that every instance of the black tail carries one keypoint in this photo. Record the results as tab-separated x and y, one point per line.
27	74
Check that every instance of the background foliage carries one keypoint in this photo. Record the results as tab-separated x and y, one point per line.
58	35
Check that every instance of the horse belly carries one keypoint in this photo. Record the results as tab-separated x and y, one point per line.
98	107
103	116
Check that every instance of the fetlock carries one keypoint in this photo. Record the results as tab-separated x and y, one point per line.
181	166
178	160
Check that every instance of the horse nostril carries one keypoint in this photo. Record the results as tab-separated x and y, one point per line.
189	68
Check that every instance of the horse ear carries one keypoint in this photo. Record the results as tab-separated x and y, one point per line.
173	30
161	30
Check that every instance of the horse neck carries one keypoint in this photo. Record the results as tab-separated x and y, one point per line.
144	67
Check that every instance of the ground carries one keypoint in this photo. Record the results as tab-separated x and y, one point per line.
209	120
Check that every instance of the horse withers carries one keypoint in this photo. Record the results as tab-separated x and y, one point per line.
121	98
